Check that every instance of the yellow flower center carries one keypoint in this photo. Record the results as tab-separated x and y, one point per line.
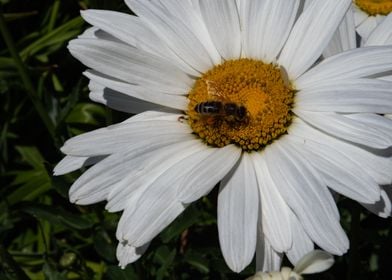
375	7
243	102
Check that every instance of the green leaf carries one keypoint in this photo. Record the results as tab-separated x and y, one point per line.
57	37
86	113
116	273
105	246
165	257
51	273
197	260
31	155
184	221
58	216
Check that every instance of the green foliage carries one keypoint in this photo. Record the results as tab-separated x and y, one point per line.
44	236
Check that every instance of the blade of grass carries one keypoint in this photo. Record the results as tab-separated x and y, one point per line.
26	78
53	15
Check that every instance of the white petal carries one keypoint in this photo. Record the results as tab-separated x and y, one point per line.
383	207
96	33
374	120
302	244
130	64
366	27
71	163
347	96
122	102
306	194
134	32
266	26
155	210
267	259
128	254
206	169
344	37
314	262
222	20
158	205
348	129
140	178
139	92
340	172
126	28
377	167
191	16
356	63
184	36
311	34
359	15
238	208
136	132
382	35
275	212
97	182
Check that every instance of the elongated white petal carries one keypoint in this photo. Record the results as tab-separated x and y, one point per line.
346	128
157	206
347	96
222	20
359	15
131	30
314	262
155	210
130	65
274	210
128	254
302	244
377	167
139	92
122	102
305	192
126	28
172	27
367	27
136	132
238	209
311	34
267	259
382	34
203	174
96	33
97	182
140	178
344	37
266	26
71	163
374	120
383	207
193	19
340	172
355	63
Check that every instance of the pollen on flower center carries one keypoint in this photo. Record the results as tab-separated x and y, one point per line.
243	102
375	7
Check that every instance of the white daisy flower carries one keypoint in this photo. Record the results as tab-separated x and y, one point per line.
314	262
228	91
368	14
345	36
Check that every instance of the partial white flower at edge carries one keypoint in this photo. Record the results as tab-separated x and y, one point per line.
345	39
274	196
314	262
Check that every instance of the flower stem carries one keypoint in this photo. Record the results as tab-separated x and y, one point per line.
25	77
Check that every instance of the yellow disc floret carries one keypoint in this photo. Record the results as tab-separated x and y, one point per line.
243	102
375	7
